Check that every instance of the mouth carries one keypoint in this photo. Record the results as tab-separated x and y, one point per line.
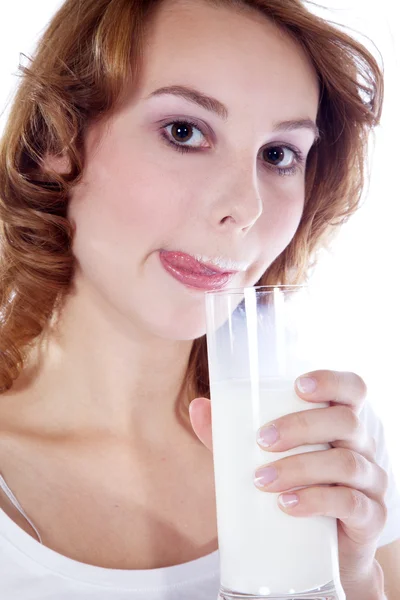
194	273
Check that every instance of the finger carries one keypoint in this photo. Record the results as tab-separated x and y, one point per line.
340	387
362	518
333	466
336	425
200	418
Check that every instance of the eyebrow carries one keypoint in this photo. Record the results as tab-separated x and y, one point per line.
213	105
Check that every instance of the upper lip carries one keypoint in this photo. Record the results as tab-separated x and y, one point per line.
211	264
219	264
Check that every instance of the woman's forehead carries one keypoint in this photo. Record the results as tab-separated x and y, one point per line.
240	58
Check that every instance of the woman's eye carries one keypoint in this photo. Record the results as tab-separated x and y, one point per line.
283	160
279	156
182	132
185	136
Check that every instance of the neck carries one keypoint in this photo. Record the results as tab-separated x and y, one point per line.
96	371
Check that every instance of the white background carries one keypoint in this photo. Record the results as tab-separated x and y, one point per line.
357	283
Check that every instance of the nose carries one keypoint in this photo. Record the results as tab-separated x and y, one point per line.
239	205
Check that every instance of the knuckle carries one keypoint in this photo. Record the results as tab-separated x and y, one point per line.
364	388
300	466
321	497
379	515
300	420
357	385
383	478
384	512
353	422
337	382
360	387
357	503
317	498
354	465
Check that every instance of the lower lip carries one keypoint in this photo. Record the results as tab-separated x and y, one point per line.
195	280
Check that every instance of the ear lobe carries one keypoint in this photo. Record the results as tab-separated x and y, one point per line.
200	419
59	164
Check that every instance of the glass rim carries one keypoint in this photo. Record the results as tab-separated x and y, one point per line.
268	288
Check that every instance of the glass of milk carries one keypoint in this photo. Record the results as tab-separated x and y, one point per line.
259	341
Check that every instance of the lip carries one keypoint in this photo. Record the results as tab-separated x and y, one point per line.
187	262
192	273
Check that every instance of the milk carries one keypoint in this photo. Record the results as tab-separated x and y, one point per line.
263	550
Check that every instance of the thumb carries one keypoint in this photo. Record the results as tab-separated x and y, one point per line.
200	418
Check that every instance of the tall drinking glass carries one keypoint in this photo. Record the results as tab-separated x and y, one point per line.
258	341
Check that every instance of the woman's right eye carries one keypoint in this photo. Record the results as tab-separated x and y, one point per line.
179	133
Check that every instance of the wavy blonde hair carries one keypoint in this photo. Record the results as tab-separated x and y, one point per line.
89	52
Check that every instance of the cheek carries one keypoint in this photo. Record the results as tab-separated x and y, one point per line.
281	219
120	202
288	218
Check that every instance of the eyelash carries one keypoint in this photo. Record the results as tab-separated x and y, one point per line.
281	171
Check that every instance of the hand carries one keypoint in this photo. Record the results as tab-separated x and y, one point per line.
342	482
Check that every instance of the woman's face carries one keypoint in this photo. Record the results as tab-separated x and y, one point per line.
142	191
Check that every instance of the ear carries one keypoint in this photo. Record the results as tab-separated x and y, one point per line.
60	163
200	418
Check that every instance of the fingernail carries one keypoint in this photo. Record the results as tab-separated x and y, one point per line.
288	500
264	476
306	385
266	436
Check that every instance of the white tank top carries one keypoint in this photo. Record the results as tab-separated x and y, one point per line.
31	571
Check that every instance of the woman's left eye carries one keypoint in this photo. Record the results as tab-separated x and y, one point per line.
285	160
281	155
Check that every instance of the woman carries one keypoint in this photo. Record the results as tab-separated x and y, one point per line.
146	132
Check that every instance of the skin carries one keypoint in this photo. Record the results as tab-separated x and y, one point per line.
92	406
139	194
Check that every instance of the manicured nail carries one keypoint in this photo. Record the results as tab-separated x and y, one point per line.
264	476
266	436
306	385
288	500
